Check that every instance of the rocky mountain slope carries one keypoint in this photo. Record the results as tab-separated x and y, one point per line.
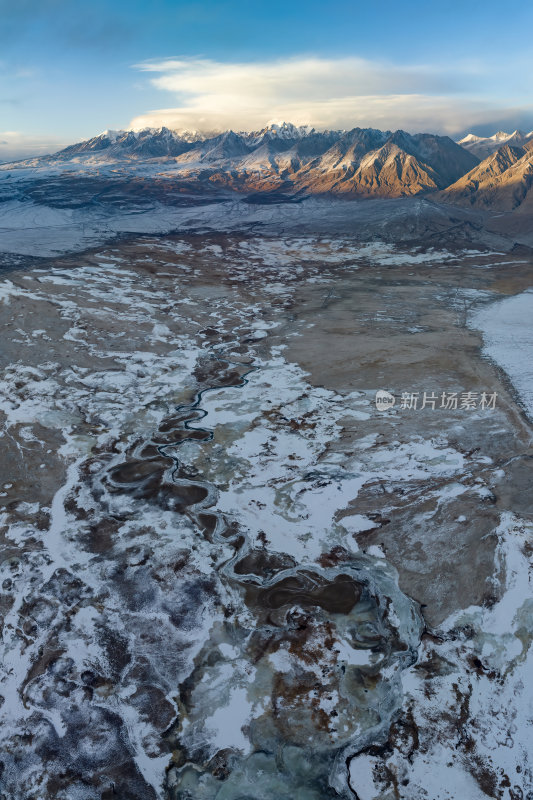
502	182
360	162
368	162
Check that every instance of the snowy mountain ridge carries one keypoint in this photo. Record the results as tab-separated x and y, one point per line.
483	146
274	130
280	157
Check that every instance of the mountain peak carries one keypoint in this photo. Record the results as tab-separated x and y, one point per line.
470	137
286	130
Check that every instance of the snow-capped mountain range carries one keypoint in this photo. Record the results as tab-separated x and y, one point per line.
281	161
162	142
483	146
280	157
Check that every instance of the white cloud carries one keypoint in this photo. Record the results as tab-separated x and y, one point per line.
326	93
15	145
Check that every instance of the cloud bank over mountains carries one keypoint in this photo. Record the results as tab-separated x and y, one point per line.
211	96
326	93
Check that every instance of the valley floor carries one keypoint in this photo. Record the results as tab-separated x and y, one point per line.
225	572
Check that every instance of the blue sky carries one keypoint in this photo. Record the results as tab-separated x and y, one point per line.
70	69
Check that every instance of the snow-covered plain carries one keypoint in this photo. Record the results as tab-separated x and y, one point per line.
158	612
507	327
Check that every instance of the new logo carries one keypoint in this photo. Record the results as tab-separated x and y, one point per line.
384	400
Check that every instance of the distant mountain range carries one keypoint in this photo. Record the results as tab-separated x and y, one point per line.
363	161
165	143
483	146
289	161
